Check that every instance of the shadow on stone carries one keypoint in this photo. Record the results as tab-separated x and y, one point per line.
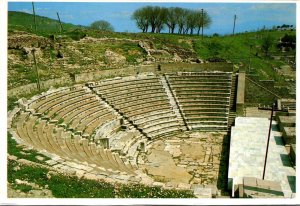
292	183
278	140
285	159
224	162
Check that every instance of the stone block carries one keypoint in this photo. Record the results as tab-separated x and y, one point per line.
171	185
11	157
250	181
159	184
80	173
51	162
184	186
203	192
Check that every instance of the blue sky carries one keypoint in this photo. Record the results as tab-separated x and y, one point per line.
250	16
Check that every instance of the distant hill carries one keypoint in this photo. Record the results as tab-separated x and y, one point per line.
24	21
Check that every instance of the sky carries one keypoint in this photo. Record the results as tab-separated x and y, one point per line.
250	16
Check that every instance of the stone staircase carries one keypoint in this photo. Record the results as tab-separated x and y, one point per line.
233	92
173	101
232	109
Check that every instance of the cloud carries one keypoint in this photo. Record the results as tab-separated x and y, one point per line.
122	14
28	11
278	7
218	10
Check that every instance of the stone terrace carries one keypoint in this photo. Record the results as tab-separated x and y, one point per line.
247	151
204	98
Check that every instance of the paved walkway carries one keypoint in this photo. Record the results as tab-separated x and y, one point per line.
247	152
255	112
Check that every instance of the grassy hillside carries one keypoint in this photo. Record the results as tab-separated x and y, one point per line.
25	22
240	48
72	53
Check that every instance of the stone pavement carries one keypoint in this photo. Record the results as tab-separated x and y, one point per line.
255	112
193	160
247	153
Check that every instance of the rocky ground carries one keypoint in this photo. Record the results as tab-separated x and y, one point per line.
195	159
35	192
62	56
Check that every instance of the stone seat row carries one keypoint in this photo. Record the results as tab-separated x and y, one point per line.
202	90
204	101
150	123
139	84
85	119
122	83
201	76
190	83
50	96
76	109
142	97
57	107
45	136
125	93
191	105
111	92
153	118
200	94
198	74
142	104
49	103
202	86
203	98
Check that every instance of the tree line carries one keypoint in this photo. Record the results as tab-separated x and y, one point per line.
183	21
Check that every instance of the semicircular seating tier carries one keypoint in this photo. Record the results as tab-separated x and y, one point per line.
144	102
64	122
204	98
106	124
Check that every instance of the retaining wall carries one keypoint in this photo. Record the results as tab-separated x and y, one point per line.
111	73
30	88
240	99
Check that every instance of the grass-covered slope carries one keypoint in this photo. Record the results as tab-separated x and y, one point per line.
79	50
24	21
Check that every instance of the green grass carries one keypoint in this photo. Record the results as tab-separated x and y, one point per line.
25	22
71	187
60	121
23	187
238	49
13	149
11	102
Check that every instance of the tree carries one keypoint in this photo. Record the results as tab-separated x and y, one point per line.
181	20
204	22
102	25
141	17
171	20
267	43
155	18
161	19
191	21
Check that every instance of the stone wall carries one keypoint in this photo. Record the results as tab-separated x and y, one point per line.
111	73
104	74
33	87
240	100
157	68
